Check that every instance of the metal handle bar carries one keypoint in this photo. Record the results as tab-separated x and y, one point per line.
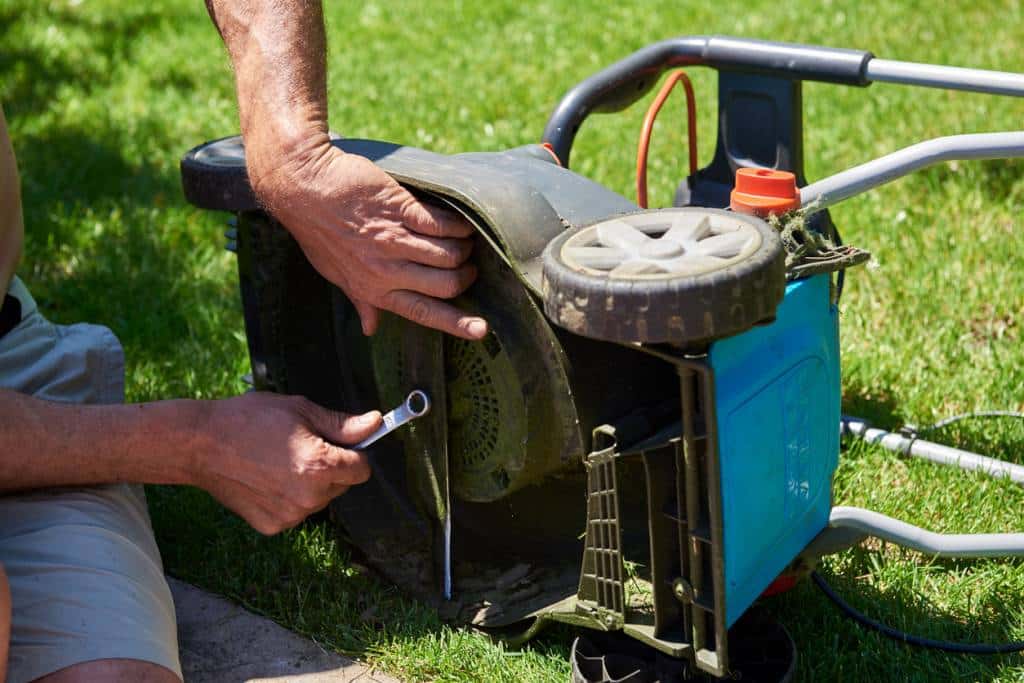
619	85
939	545
853	181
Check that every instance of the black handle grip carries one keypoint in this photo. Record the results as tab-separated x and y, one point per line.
626	81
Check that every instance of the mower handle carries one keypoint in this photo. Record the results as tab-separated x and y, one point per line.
853	181
623	83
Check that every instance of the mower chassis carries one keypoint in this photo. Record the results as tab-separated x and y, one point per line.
689	613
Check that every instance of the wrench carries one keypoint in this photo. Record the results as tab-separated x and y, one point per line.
417	404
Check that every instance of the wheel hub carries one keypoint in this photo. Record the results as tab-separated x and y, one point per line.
661	244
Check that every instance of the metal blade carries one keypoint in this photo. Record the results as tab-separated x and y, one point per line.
427	440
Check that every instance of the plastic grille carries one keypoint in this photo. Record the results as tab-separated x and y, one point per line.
601	579
474	437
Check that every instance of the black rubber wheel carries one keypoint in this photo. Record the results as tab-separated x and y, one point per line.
679	276
213	176
760	651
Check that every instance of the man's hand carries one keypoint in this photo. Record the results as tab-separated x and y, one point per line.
277	459
272	459
372	238
358	227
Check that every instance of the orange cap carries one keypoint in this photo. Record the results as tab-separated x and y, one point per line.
763	192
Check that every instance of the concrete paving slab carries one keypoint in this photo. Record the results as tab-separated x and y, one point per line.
221	642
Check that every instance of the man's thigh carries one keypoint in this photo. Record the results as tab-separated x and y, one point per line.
84	571
86	581
113	671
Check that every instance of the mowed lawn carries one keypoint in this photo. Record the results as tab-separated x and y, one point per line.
104	96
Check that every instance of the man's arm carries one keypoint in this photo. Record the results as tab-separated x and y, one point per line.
259	454
358	227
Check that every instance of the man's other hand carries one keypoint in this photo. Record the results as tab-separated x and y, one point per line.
276	459
372	238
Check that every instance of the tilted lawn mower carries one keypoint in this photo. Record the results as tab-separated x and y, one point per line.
646	440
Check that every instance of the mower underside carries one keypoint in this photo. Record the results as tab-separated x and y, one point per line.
600	482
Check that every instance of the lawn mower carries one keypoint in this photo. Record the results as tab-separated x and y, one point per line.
645	441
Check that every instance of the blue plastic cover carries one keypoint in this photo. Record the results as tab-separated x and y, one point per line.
777	398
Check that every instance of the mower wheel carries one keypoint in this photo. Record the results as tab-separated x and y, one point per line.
760	651
214	177
680	276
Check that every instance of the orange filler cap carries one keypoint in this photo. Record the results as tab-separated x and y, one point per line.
763	192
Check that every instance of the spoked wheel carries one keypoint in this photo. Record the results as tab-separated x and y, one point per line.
669	275
761	651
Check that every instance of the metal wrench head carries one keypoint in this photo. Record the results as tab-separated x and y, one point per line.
417	404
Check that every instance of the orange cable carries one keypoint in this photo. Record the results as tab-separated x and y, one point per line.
648	127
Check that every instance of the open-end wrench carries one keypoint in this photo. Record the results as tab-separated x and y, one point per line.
417	404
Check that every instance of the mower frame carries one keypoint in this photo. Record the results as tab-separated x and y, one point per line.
683	463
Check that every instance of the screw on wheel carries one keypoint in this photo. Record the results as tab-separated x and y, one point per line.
681	276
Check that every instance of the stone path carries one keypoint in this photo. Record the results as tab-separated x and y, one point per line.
222	643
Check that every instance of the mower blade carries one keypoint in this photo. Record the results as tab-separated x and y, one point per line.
427	440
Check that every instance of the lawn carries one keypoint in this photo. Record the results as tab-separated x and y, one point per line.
104	96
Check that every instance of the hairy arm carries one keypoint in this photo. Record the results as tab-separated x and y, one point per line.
278	49
270	458
358	227
55	444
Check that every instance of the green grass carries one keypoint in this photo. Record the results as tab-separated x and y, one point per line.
104	96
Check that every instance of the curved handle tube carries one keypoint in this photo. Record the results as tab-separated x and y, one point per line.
909	536
849	183
619	85
626	81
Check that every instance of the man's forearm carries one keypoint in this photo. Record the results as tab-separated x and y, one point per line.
45	444
278	49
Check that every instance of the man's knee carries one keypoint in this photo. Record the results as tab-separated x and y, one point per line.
5	622
112	671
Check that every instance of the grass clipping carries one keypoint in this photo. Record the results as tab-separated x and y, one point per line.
809	252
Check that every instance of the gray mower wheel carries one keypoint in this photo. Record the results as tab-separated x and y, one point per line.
681	276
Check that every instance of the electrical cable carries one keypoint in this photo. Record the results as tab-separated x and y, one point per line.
645	132
901	636
910	639
914	431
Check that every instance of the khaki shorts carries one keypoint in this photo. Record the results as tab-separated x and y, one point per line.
85	573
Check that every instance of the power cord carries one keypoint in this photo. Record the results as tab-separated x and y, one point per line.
910	639
914	431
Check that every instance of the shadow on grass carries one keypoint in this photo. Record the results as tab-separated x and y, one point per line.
877	405
109	237
999	437
999	179
113	242
856	653
304	579
30	74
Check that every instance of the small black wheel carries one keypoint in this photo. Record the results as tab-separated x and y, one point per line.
760	651
678	276
213	176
